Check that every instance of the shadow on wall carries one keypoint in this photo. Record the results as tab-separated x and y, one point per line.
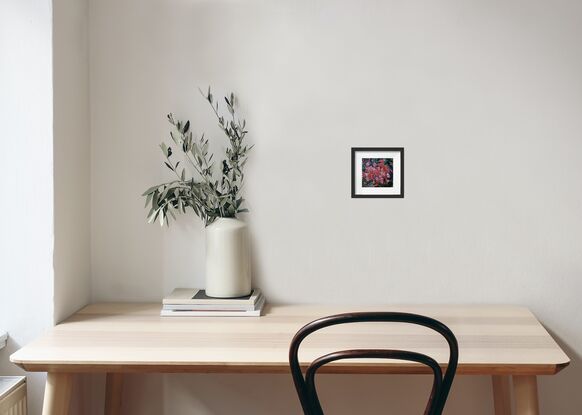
7	367
256	271
213	394
564	395
142	394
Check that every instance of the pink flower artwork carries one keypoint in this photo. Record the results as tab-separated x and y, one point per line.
377	172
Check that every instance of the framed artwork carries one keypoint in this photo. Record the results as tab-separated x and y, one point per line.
377	172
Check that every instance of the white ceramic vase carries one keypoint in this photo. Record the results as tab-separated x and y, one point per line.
228	263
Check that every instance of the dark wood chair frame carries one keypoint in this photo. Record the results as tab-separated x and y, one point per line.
441	386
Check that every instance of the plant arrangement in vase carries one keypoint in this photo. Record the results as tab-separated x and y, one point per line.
208	197
216	201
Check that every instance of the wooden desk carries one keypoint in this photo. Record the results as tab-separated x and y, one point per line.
501	341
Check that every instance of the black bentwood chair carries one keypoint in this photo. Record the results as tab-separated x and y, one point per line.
441	384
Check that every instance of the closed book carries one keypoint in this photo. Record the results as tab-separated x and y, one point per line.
189	296
214	313
213	307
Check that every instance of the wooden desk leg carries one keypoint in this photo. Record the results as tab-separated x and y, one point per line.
501	395
113	389
525	389
57	394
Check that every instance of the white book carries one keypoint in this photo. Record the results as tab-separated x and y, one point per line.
184	296
212	307
209	313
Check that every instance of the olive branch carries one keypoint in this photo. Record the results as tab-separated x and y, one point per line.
207	197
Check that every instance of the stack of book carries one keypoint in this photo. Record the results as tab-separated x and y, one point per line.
192	302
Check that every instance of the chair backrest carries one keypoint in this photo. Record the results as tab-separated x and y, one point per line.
306	385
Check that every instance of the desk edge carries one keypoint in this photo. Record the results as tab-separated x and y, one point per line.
463	369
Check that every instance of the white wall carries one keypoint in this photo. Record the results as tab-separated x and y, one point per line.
27	108
71	156
26	180
484	96
72	256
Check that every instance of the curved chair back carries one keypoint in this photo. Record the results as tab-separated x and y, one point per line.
306	385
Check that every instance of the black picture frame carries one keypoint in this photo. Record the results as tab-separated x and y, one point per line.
354	152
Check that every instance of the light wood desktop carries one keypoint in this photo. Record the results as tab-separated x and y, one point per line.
505	342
